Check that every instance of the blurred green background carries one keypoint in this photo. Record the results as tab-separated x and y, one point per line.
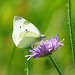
43	14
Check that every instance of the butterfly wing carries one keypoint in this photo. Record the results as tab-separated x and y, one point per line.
24	32
27	38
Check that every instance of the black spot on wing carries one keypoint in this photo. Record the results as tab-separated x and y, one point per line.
26	30
20	26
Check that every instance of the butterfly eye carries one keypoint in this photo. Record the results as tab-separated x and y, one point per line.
20	26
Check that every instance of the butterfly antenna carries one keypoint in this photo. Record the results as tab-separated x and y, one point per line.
48	30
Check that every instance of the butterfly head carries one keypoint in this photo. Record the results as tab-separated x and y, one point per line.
42	37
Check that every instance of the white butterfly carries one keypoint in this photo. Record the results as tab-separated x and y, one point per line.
25	33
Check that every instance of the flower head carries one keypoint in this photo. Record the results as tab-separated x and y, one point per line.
45	48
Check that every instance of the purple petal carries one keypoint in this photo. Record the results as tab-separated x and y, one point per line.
35	56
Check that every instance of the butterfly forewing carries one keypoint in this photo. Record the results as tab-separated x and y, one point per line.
24	32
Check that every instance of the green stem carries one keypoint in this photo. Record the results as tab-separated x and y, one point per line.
70	31
28	73
10	61
55	65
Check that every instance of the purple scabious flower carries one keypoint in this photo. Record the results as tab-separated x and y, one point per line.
45	48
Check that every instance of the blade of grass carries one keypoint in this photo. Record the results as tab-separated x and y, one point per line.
10	61
71	32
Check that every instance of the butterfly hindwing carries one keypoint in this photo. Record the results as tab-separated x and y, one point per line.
27	38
